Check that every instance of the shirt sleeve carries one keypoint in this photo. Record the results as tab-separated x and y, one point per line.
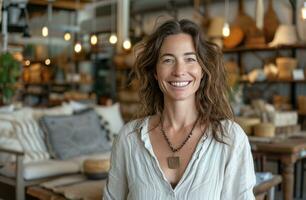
116	185
239	178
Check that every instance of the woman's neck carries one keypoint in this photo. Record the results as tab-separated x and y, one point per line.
179	114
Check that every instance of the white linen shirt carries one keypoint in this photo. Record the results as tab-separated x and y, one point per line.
216	171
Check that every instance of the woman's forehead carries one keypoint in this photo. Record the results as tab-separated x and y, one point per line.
178	43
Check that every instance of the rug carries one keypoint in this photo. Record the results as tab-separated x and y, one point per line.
76	187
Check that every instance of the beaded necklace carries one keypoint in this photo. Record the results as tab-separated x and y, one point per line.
174	161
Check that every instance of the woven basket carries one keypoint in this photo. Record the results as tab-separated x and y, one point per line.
95	168
264	130
285	66
247	124
302	104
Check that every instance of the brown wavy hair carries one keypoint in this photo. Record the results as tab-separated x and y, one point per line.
211	97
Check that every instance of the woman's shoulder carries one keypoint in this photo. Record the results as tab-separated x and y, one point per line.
131	128
233	133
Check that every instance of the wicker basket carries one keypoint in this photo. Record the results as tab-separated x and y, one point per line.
96	168
302	104
247	124
285	66
264	130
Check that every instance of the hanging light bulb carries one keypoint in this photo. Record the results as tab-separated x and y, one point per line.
27	63
113	39
127	44
93	39
226	30
303	10
67	36
45	31
47	61
78	47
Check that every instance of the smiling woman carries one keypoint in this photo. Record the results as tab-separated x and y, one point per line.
177	71
184	144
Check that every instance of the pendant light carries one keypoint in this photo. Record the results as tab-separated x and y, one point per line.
67	36
27	62
226	27
303	11
78	47
45	32
127	44
45	29
113	37
93	37
47	62
78	44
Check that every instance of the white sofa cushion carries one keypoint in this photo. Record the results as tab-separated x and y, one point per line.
20	131
59	110
42	169
31	138
111	114
51	167
75	135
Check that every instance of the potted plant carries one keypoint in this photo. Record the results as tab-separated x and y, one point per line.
9	73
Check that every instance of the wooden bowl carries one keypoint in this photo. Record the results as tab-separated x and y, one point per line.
264	130
96	168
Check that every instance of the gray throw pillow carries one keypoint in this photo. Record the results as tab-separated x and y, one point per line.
75	135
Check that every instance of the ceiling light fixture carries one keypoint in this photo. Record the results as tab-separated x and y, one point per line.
113	37
127	44
27	62
93	37
78	44
226	28
45	29
47	62
67	36
303	11
77	47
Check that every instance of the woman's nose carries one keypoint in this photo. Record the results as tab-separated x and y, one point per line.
179	69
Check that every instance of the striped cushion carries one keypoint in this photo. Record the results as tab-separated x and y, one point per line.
31	139
8	140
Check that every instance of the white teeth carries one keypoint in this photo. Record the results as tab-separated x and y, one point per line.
179	84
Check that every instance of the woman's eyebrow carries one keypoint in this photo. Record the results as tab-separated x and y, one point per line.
185	54
166	54
190	53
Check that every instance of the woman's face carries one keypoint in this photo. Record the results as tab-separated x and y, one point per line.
178	71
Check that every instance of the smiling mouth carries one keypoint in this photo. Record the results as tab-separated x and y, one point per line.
179	83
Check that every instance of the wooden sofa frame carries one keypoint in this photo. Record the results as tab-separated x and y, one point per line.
18	182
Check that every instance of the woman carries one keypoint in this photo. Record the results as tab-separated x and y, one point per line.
185	145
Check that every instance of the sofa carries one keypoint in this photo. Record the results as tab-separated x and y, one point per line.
41	144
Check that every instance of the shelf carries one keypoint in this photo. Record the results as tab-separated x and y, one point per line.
58	84
264	48
274	81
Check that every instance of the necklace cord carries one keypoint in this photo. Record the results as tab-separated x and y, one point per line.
183	143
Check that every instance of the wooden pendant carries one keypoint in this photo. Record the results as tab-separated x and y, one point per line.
173	162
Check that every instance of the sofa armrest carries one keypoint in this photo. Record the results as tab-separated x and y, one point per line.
18	182
11	151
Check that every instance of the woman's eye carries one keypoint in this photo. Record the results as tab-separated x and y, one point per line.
168	61
191	59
